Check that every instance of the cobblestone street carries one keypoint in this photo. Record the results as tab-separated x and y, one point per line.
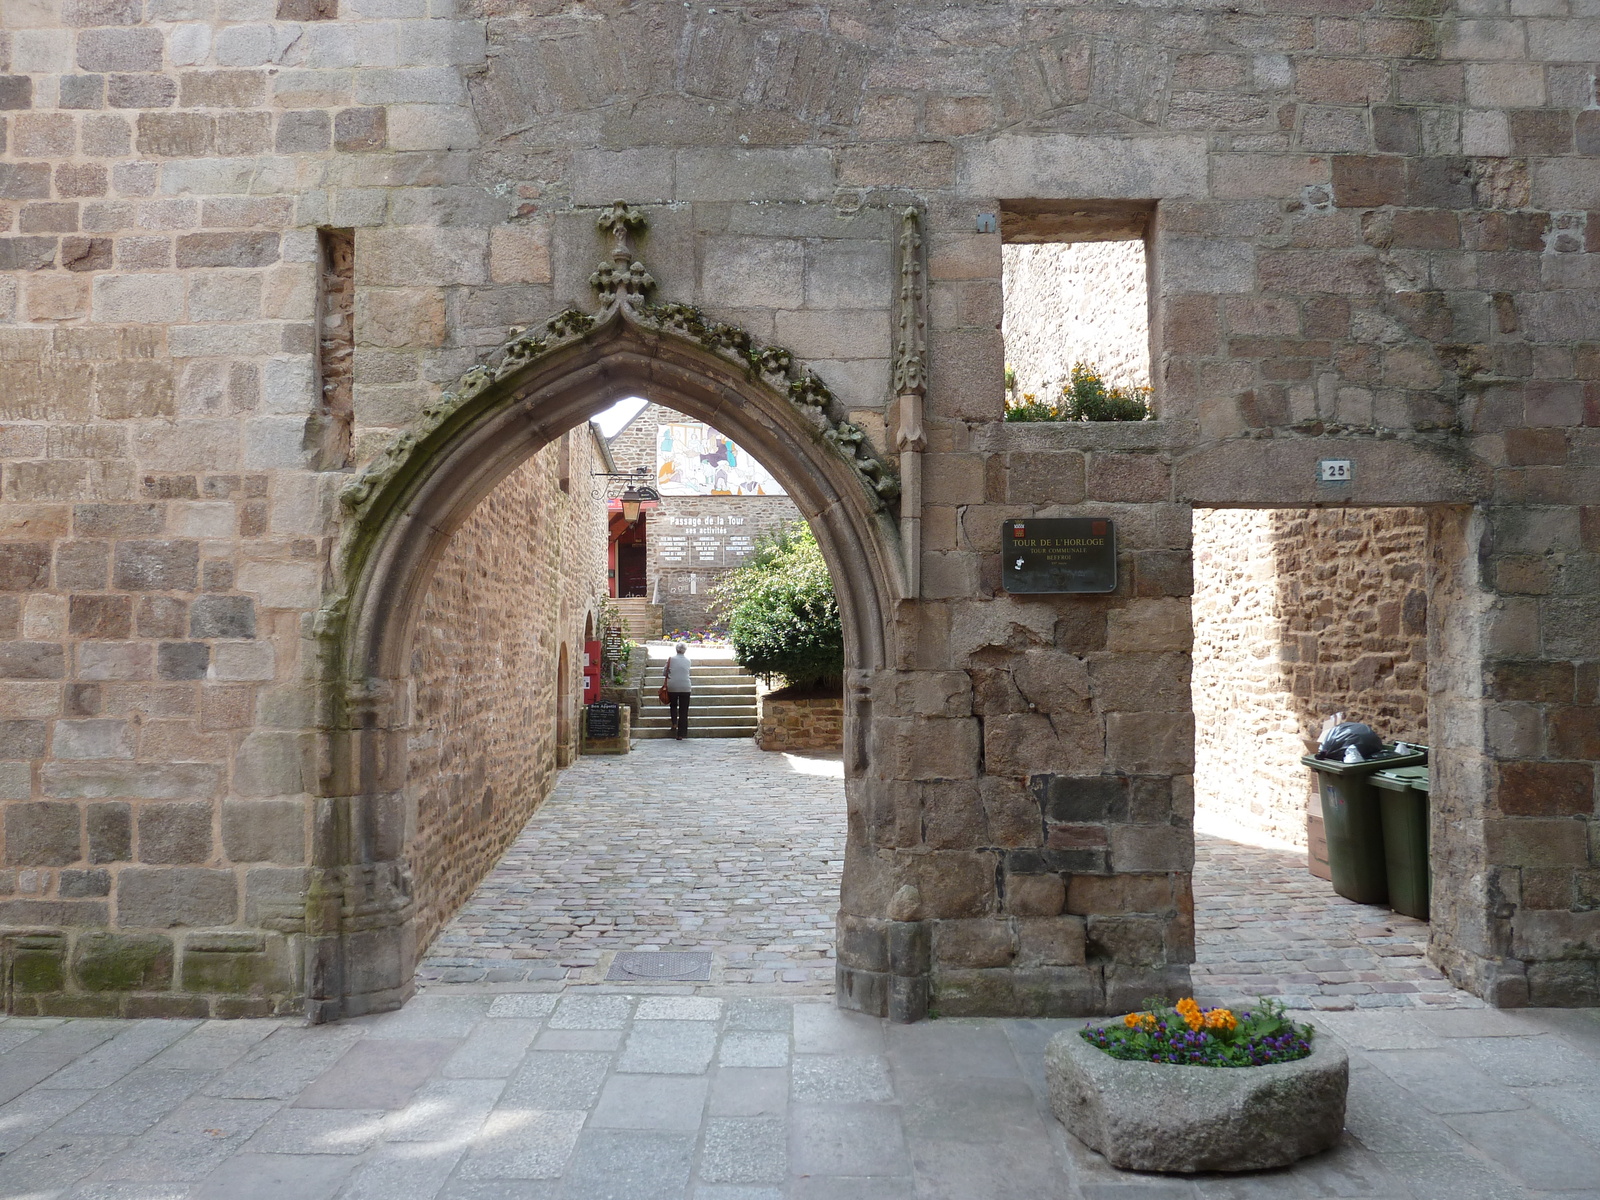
708	845
716	846
1265	926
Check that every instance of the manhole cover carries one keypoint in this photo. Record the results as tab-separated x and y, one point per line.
661	964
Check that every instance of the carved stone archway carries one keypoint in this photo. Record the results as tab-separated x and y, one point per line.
401	511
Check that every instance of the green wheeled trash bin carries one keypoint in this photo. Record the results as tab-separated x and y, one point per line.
1403	799
1354	823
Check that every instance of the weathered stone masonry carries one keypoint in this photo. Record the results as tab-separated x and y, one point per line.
1372	241
513	590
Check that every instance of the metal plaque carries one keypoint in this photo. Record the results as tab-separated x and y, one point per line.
605	719
1059	554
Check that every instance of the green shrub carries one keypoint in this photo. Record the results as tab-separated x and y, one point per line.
1085	397
781	614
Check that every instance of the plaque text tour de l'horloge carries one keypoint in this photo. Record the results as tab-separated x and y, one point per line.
1060	554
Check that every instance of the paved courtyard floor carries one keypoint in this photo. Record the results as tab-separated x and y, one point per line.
588	1095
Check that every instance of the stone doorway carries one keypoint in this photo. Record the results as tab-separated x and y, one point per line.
629	557
1299	614
398	890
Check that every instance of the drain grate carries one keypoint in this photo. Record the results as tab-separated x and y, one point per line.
683	965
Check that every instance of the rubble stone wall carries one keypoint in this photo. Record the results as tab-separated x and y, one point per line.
1299	614
518	582
801	724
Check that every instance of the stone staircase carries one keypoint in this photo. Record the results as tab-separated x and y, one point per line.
641	620
724	704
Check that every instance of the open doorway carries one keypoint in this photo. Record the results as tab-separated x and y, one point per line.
466	594
1301	614
542	864
629	556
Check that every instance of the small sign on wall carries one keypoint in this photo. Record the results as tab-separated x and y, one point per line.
1059	554
1334	470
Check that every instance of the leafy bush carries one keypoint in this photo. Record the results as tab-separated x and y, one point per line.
781	614
1086	397
1188	1035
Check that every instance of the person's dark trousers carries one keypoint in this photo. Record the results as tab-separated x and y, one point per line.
678	703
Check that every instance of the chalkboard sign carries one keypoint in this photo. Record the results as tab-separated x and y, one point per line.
605	719
1061	554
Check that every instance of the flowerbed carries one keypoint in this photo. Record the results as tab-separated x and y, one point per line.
1189	1035
1116	1091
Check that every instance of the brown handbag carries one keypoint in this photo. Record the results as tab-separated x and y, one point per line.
662	695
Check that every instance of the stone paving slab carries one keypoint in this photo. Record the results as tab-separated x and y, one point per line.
1458	1104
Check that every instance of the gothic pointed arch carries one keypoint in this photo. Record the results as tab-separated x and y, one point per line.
401	510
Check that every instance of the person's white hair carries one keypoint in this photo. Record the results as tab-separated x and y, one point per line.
683	648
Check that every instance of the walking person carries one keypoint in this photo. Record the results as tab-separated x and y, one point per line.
678	687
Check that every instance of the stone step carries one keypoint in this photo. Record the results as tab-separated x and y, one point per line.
725	718
661	710
715	689
700	731
641	618
730	687
699	714
722	687
701	700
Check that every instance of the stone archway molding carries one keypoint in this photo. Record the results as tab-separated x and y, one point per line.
398	514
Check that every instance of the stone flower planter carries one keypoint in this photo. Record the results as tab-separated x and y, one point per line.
1161	1117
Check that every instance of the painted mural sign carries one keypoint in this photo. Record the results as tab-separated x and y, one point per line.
692	459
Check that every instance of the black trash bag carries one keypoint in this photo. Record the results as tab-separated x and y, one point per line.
1350	733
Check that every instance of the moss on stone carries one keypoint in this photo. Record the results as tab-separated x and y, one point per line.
123	962
37	970
231	971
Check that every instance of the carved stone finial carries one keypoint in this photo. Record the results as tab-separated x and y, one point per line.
624	278
622	221
631	282
911	307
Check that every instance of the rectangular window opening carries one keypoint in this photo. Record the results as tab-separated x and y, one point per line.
1076	309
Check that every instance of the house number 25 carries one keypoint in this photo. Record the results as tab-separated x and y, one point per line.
1334	470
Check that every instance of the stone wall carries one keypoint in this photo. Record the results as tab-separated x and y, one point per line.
1372	240
516	584
1299	614
1071	302
803	724
692	541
